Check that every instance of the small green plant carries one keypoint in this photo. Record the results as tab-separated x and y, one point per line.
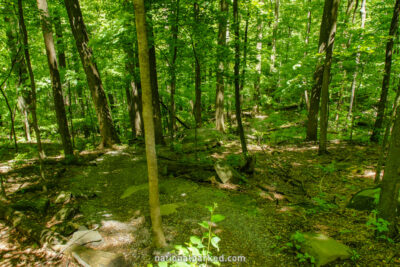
380	226
354	256
321	205
296	242
198	249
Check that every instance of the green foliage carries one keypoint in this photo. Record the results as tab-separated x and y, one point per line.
380	226
295	246
199	246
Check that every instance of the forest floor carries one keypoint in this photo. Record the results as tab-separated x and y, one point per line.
292	189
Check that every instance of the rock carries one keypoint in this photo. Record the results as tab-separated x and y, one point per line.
324	249
37	204
83	237
88	257
367	200
63	197
66	213
224	172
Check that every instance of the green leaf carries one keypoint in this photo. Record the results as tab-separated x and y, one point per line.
217	218
195	240
204	224
214	242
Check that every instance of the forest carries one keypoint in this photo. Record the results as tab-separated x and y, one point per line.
199	133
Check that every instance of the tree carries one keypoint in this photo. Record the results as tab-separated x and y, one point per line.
144	62
390	184
333	6
237	79
324	35
386	76
55	78
107	130
221	51
197	79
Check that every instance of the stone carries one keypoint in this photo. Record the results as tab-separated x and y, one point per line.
83	237
65	213
89	257
324	249
63	197
224	172
367	200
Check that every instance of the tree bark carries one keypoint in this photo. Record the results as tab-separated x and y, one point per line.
390	185
173	51
386	76
312	121
257	93
274	35
221	54
107	130
144	61
333	10
197	102
40	150
237	79
55	78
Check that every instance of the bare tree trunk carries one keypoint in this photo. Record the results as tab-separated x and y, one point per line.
315	94
197	102
221	52
390	185
257	93
33	88
55	78
333	6
386	76
140	17
11	116
274	36
237	79
173	51
107	130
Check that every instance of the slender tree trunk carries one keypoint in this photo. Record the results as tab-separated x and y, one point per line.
11	118
358	56
386	76
107	130
257	93
307	41
333	10
274	36
140	17
40	150
173	51
243	78
390	185
60	42
197	102
312	120
55	78
237	79
221	54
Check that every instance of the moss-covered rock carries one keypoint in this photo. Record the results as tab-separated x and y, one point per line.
366	199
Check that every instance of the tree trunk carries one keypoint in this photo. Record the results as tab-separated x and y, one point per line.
11	116
312	120
386	76
257	93
60	42
221	55
390	185
144	61
274	35
244	65
107	131
41	153
55	78
333	10
197	102
154	84
236	74
173	51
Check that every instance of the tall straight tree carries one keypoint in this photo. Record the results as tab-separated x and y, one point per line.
33	87
55	78
257	93
108	133
144	62
238	108
394	26
388	201
312	120
274	36
221	52
333	6
197	81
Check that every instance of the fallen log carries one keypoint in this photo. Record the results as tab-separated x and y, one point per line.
31	229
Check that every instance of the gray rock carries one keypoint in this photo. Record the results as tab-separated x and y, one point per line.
66	213
324	249
367	200
83	237
88	257
224	172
